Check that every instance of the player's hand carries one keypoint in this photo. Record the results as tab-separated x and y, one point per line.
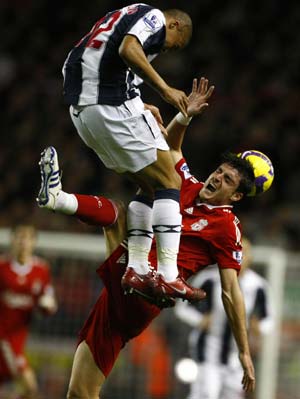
197	100
47	303
156	113
248	380
177	98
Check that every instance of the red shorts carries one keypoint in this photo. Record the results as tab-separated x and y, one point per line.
12	358
115	318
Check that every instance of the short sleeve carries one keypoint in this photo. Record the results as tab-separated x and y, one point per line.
183	169
226	246
147	26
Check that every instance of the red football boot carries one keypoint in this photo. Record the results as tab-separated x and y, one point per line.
142	284
177	289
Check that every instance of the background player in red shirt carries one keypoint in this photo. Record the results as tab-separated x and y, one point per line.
25	284
210	234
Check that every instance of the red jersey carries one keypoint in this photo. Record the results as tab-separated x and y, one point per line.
210	234
20	288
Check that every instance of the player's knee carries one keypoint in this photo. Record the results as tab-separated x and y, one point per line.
76	393
72	394
82	391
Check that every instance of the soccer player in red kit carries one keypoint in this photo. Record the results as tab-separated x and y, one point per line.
25	284
210	234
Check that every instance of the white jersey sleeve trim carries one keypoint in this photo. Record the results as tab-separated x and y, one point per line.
148	25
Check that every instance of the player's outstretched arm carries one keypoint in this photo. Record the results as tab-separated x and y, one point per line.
197	103
233	302
133	55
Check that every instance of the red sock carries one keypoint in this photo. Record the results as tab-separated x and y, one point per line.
96	210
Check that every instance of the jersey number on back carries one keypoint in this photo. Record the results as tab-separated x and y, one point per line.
98	29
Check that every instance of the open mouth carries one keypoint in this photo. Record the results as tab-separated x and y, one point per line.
211	188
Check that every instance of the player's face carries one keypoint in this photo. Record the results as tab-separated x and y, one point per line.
176	39
23	242
221	186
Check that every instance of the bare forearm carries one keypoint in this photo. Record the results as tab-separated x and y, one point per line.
235	310
176	132
234	306
134	56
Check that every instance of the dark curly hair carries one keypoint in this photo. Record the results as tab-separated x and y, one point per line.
245	169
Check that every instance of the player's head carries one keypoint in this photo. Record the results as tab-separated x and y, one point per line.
23	240
232	179
179	29
247	254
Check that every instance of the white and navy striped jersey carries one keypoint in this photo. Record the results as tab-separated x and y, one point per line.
94	73
217	344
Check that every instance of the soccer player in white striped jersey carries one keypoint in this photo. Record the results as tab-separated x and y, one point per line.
101	78
211	341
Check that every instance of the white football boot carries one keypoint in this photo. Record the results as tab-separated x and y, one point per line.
51	181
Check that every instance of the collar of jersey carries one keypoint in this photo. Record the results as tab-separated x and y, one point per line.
19	269
213	206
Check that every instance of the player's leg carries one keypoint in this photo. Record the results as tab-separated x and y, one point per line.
96	210
86	378
114	319
14	367
166	221
160	215
28	383
128	140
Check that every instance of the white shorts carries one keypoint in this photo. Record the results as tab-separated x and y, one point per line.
125	137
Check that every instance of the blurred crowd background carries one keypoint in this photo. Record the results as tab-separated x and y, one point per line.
248	49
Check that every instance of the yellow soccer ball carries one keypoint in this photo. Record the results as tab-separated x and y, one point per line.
263	171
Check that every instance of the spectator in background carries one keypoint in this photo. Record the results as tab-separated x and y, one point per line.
211	341
25	284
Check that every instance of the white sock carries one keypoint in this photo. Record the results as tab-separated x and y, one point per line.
140	235
66	203
167	228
